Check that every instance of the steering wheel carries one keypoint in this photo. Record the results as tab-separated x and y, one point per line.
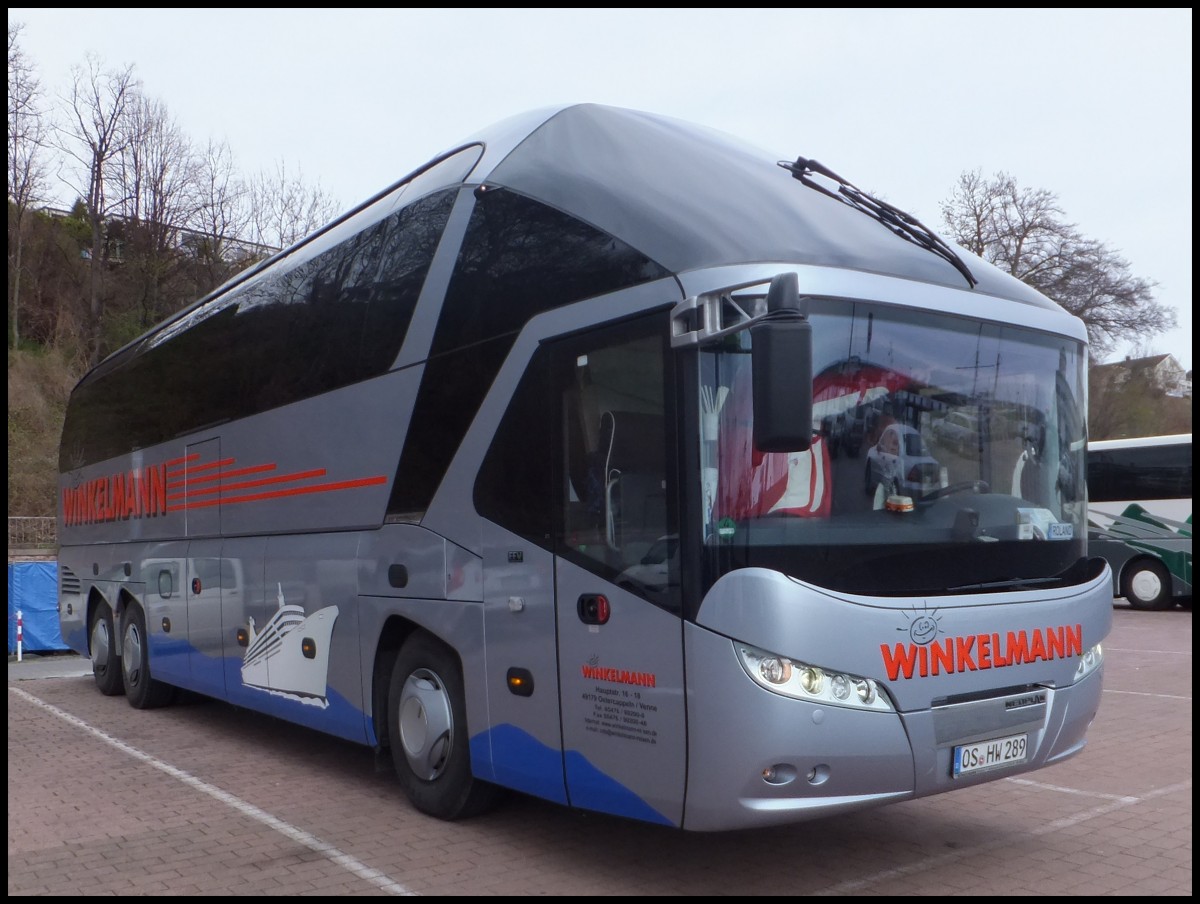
965	486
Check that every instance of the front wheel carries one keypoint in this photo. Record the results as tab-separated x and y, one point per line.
106	664
1147	585
427	729
141	689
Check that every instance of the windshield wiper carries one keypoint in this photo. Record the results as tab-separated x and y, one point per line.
1000	585
902	224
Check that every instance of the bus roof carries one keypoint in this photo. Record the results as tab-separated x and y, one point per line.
690	197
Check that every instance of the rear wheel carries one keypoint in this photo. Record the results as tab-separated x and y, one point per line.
141	690
1147	585
106	664
427	729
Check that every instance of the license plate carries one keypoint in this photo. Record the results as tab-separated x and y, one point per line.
1061	530
970	758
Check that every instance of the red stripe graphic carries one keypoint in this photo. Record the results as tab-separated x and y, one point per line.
190	470
220	492
293	491
248	484
239	472
176	462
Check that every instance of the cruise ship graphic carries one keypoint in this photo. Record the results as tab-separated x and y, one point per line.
289	656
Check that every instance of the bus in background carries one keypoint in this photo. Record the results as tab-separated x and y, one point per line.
1140	509
393	484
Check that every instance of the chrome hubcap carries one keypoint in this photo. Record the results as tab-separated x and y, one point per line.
426	724
101	643
131	660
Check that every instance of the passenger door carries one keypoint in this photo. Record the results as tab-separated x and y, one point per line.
578	484
620	645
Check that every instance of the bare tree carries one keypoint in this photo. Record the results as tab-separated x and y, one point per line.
219	213
283	209
97	132
154	169
1022	231
28	170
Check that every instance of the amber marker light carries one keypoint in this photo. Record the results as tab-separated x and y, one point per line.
520	682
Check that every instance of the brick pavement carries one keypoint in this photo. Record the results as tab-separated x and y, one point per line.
202	799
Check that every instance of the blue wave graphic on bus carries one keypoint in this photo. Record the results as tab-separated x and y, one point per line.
521	762
185	666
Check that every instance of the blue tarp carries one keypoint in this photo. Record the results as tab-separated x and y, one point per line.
33	590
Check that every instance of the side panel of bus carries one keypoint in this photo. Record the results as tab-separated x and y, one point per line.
598	720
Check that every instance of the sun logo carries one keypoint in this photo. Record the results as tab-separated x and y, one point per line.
923	626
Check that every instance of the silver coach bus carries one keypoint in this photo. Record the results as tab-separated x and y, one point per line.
524	469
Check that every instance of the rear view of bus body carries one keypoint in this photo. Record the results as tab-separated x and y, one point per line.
506	471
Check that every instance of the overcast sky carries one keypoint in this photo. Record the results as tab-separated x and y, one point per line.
1094	106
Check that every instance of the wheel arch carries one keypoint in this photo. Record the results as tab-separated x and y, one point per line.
125	599
396	630
95	600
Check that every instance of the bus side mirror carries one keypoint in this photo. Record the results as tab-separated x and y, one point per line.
781	356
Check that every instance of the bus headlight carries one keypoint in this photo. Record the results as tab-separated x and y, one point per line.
805	681
1089	662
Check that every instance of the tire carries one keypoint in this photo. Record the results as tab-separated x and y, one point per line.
1146	584
141	690
427	730
102	644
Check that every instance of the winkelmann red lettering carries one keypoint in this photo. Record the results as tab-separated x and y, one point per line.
139	493
619	676
962	650
973	652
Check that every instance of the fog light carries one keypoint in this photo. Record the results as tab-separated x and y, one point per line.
779	774
818	775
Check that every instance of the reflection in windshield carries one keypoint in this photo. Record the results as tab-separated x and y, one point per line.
929	432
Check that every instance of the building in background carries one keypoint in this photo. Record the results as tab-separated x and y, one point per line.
1161	371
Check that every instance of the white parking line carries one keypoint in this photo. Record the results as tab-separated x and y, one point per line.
374	876
1117	803
1061	790
1109	690
1108	649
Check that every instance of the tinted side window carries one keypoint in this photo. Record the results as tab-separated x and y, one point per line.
1151	472
334	319
514	485
518	259
583	461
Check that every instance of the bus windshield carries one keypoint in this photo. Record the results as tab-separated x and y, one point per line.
929	433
